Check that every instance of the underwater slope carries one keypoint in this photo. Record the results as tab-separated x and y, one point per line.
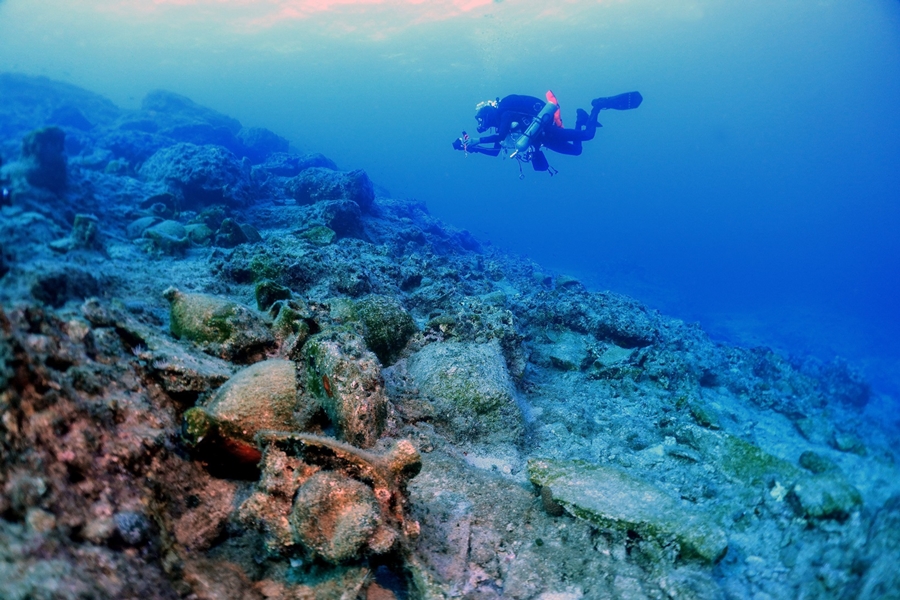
233	371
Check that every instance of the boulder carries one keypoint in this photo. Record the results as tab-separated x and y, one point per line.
44	159
283	164
259	143
341	216
181	119
316	184
200	176
55	284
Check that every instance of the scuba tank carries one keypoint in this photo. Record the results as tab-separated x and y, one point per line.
534	127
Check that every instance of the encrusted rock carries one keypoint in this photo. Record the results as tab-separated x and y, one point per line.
43	154
177	367
825	496
568	352
219	326
346	378
319	235
610	498
200	175
387	326
316	184
282	164
260	142
269	292
471	389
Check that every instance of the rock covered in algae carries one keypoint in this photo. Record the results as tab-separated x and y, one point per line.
387	326
471	388
613	499
262	397
217	325
346	379
826	496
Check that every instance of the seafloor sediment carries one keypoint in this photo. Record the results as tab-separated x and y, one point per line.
232	370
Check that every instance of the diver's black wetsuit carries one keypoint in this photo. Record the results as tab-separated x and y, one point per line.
517	111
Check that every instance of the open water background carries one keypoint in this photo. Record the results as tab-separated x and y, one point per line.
756	190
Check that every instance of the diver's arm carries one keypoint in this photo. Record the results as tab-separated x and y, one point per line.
492	151
488	139
473	145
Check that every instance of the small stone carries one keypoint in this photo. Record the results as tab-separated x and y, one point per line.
816	463
39	520
704	416
133	527
846	442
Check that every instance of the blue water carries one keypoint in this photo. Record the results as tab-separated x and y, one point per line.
756	190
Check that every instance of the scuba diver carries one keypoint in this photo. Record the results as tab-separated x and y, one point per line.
5	192
524	124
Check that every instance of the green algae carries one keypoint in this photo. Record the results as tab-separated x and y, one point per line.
750	464
319	235
387	326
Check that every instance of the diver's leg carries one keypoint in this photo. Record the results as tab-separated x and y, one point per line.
563	141
581	119
626	101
